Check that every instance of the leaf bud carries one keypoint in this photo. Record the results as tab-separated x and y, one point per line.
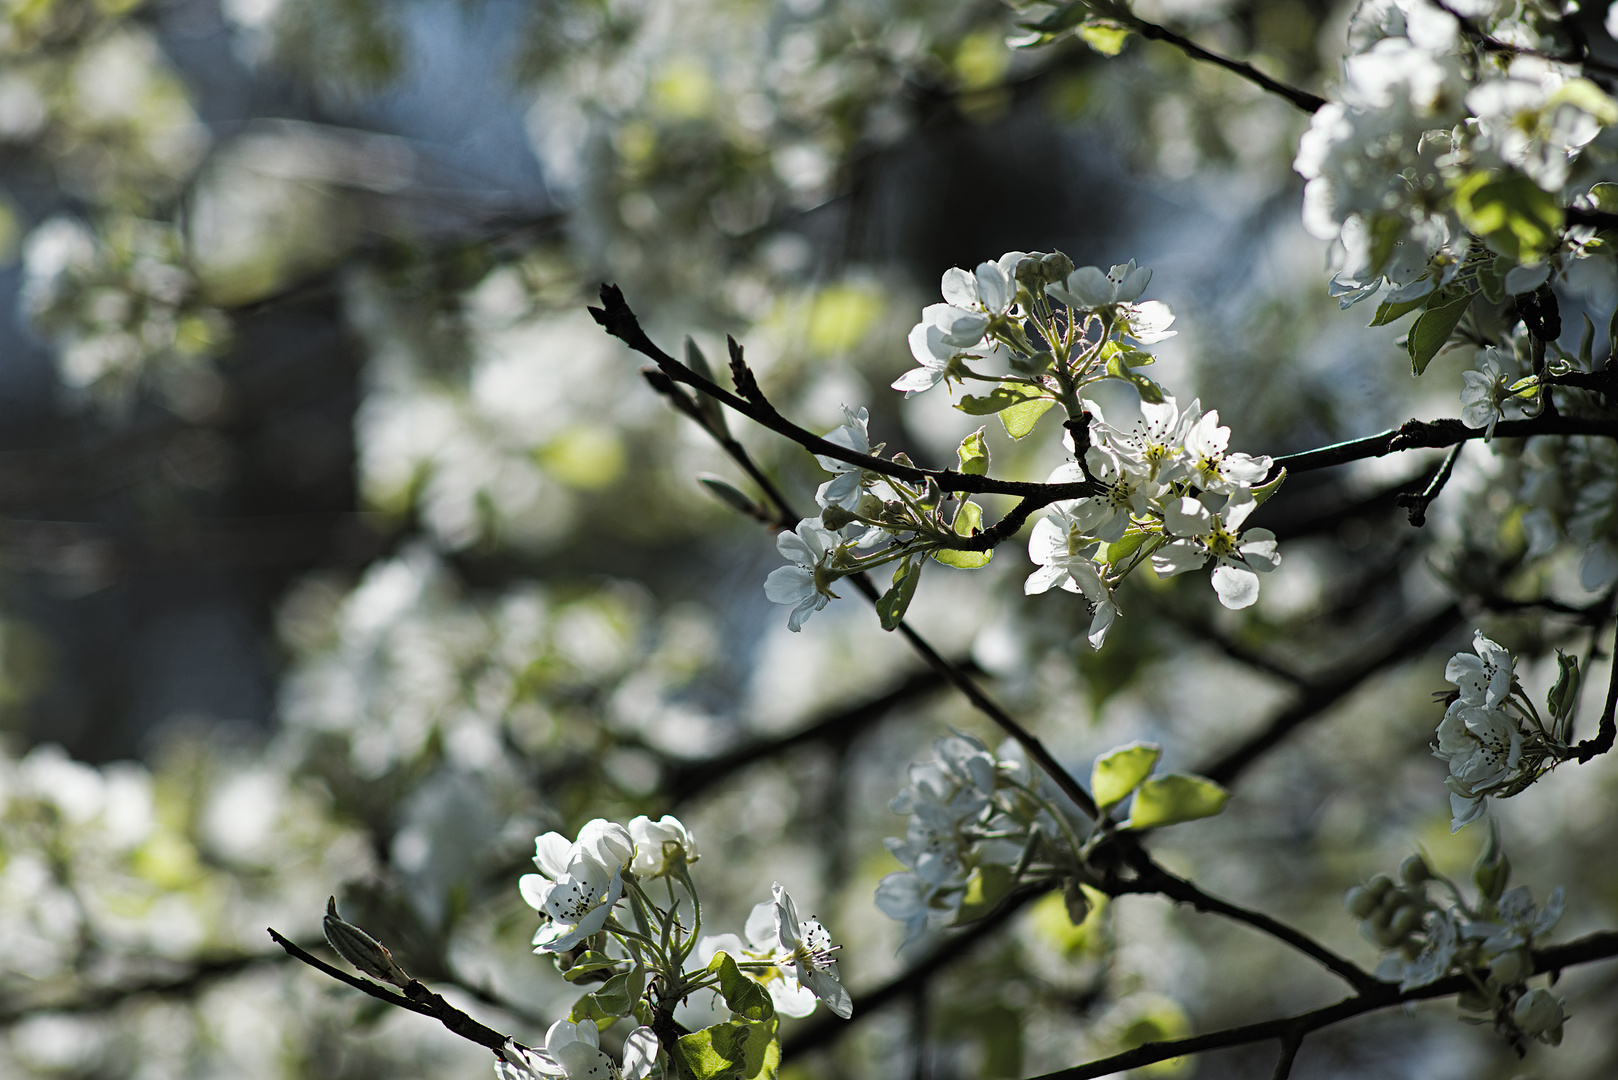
1359	902
1491	877
1565	693
1415	870
361	949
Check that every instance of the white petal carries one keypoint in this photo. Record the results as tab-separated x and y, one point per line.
1237	588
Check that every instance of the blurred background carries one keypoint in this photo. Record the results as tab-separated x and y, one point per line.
341	553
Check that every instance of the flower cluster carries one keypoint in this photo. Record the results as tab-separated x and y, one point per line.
1492	736
977	822
574	1051
1428	133
1169	492
578	889
1570	488
1429	940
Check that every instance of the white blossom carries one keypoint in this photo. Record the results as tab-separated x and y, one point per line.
844	489
1200	534
578	884
1484	397
652	858
810	955
1088	289
805	586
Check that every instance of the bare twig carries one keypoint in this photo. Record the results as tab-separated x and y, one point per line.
416	998
1599	946
1417	504
1303	99
1602	741
1328	691
1430	434
1289	1053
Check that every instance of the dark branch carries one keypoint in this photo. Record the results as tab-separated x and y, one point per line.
1599	946
416	998
1289	1053
1603	738
1417	504
1328	691
1430	434
1303	99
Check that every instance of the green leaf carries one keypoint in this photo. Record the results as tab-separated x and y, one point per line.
1169	800
1262	493
1119	772
892	605
745	997
711	410
973	455
1063	18
1125	547
968	521
1000	398
589	1007
1104	36
614	997
1433	327
588	962
986	886
736	1050
1386	313
1605	197
1512	214
1019	420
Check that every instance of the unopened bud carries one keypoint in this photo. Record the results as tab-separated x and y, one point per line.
1379	886
1404	921
835	518
1491	877
1359	902
1509	967
1565	693
1056	266
1415	870
360	948
1539	1013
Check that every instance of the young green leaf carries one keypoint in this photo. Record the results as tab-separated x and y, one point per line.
725	493
736	1050
892	605
1433	327
1169	800
968	521
973	455
1001	397
744	996
1119	772
986	886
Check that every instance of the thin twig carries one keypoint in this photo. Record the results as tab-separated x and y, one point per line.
1303	99
1289	1053
1598	946
1155	879
1416	504
1327	692
417	999
1602	741
1432	434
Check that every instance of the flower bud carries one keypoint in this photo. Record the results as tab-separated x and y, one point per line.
835	518
1379	886
1056	266
1509	967
1539	1013
1415	870
1491	877
1359	902
1404	920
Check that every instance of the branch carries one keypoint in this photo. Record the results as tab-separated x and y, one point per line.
1155	879
1302	99
1322	695
1416	504
618	320
416	998
1427	434
1603	739
1598	946
824	1029
688	778
1289	1053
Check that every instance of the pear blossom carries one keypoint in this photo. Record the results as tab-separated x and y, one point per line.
805	586
1484	748
762	942
1088	289
844	489
1147	323
1485	678
1062	554
1485	395
1125	491
1539	1014
1156	440
652	857
1199	533
578	884
810	954
944	333
991	288
1443	934
1212	466
574	1051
